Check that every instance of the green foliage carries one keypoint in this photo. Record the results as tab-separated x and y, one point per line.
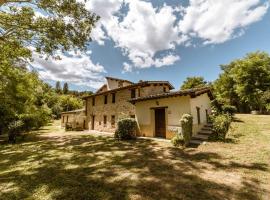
68	127
47	34
186	124
177	140
244	82
69	102
221	125
194	82
126	129
58	88
228	109
14	128
65	88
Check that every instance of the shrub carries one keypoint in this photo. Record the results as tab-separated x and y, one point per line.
68	127
221	125
126	129
177	140
14	128
228	109
186	124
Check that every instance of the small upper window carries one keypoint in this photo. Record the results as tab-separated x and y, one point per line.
113	97
164	89
132	116
133	93
93	101
105	99
120	84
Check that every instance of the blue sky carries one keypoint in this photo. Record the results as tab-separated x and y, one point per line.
163	40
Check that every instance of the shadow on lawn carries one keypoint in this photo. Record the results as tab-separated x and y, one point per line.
88	167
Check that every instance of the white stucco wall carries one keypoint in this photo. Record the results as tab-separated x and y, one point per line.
204	103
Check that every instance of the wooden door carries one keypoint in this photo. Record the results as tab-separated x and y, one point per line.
160	123
93	123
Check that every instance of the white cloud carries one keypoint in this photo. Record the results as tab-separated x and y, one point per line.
145	31
126	68
216	21
77	69
141	32
167	60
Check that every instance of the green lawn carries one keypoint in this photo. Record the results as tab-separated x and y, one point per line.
76	165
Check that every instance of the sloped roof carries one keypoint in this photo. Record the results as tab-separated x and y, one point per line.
118	79
74	111
191	92
141	83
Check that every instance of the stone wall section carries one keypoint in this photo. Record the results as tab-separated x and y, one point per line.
120	109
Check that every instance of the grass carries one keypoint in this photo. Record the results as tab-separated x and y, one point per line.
52	164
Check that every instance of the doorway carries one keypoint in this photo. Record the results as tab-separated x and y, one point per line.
160	123
93	123
198	115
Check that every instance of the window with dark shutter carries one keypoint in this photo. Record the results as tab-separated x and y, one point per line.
93	101
105	99
105	120
133	93
113	121
113	97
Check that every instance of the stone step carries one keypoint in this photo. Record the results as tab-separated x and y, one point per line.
205	132
200	137
208	125
206	129
195	142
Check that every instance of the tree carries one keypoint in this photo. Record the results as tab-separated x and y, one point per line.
244	82
69	103
193	82
58	88
65	88
66	25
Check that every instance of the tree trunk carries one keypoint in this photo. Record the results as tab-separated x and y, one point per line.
12	137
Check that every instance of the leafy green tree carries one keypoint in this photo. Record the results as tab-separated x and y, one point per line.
69	103
66	25
194	82
65	88
58	88
244	82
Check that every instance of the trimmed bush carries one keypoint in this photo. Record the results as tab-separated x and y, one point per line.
126	129
186	124
177	140
221	125
68	127
228	109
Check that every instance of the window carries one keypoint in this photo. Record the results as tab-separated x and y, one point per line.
113	97
139	92
113	121
133	93
120	84
93	101
132	116
105	99
105	120
164	89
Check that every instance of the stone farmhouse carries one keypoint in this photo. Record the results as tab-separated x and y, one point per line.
153	104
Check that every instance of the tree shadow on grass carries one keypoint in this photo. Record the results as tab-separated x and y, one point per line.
87	167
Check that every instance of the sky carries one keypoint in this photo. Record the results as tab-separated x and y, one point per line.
162	40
